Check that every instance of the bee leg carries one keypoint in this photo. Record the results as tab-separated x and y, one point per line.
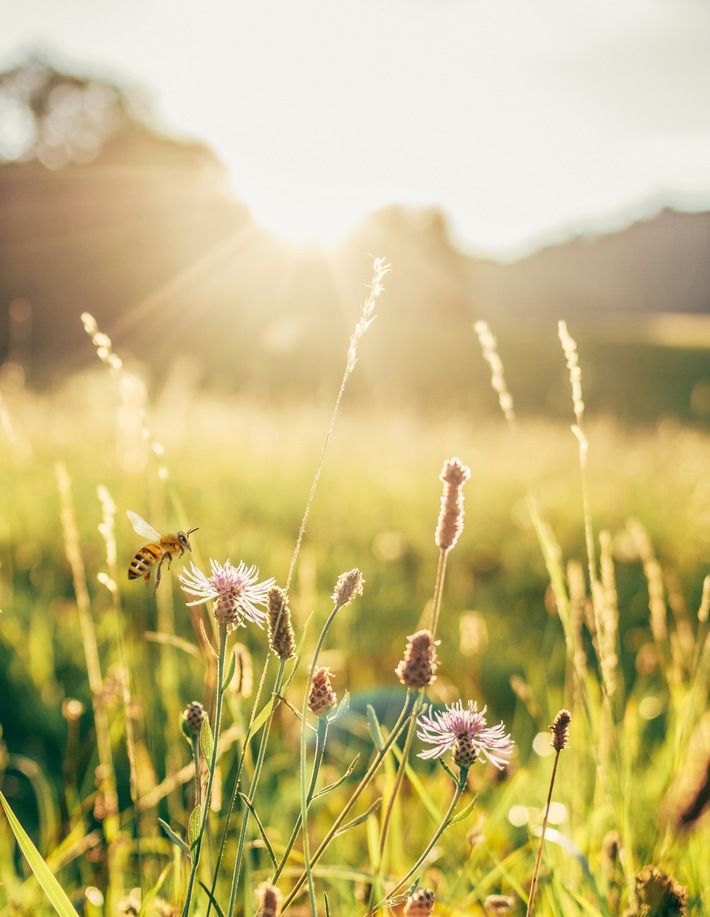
157	574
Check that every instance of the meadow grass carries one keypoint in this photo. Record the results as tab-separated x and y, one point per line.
521	630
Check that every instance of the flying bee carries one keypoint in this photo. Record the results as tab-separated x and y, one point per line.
160	547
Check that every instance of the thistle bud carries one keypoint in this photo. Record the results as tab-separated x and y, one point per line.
420	903
322	697
418	668
281	637
193	716
464	751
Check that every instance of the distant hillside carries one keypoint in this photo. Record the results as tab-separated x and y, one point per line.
147	238
660	264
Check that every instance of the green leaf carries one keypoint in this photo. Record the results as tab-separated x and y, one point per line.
229	674
208	892
336	783
267	845
464	813
361	818
175	838
46	878
193	826
373	724
207	741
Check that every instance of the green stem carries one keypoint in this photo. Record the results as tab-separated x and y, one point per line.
460	787
304	734
222	631
399	779
376	762
321	737
536	871
235	790
252	790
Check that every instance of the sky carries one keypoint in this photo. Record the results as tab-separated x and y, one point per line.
523	120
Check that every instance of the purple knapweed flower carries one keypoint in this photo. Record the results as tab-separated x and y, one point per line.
235	591
465	733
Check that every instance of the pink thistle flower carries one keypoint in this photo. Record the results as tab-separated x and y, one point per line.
456	728
235	591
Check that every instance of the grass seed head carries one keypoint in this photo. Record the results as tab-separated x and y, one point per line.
268	899
659	894
560	730
454	475
348	587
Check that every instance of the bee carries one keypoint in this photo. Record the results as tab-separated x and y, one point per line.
160	547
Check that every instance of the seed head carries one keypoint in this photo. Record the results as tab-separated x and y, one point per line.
560	730
268	899
420	903
322	697
348	587
454	475
281	637
418	668
193	716
659	893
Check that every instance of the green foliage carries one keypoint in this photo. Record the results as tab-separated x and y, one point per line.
242	471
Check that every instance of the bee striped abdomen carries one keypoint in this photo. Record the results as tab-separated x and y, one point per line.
144	560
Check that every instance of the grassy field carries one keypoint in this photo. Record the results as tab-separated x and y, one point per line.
631	666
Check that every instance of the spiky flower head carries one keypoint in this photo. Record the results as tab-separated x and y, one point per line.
268	900
418	668
560	730
193	716
322	697
348	587
281	637
659	894
419	903
465	733
454	475
235	591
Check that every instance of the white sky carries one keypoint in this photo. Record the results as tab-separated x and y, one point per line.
520	118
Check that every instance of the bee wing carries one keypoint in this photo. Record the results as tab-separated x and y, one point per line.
142	527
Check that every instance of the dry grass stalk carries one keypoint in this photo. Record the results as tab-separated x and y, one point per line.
489	347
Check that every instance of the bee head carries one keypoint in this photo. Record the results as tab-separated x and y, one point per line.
183	539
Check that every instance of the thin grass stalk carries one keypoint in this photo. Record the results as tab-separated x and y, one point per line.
261	755
303	769
321	737
204	815
460	787
559	741
367	316
372	769
106	774
237	778
438	590
401	769
398	781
